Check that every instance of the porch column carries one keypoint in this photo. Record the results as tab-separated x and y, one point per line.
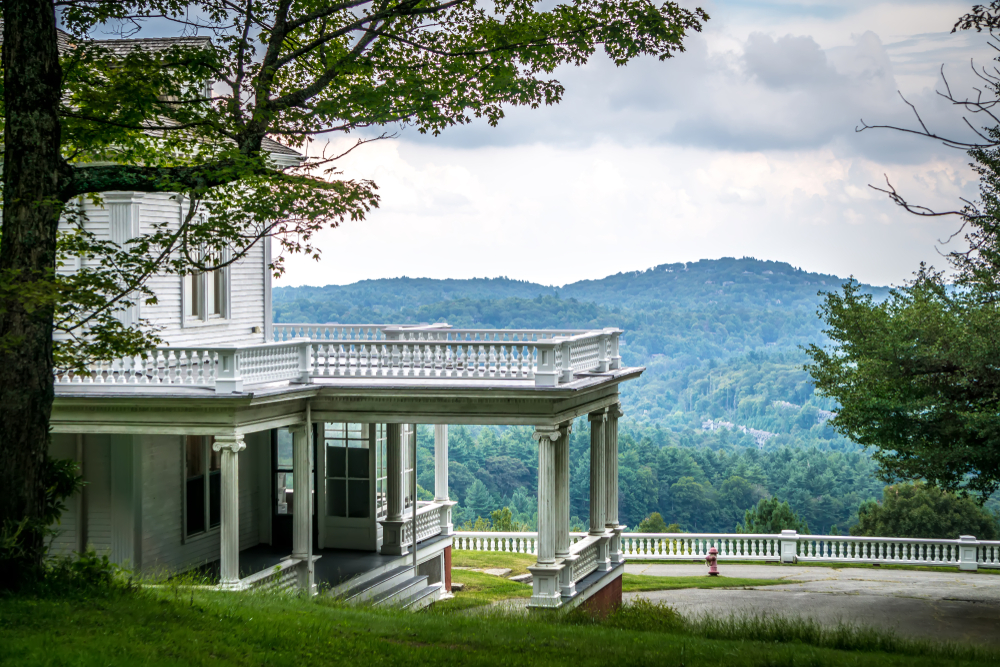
302	502
598	421
611	484
393	525
545	573
229	445
441	477
598	485
440	462
566	585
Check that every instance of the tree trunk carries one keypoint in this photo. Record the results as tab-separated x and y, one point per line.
31	208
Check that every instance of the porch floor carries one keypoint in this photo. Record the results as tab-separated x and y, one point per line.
335	567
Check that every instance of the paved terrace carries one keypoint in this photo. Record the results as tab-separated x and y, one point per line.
941	605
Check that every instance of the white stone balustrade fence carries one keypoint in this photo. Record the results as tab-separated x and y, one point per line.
966	552
547	358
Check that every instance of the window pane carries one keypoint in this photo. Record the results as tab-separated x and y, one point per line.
357	463
284	487
336	497
336	462
216	292
284	461
194	447
214	499
335	430
357	499
195	492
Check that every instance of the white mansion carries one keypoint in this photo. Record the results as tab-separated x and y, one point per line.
283	455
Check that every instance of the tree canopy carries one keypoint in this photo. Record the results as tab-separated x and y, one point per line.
920	510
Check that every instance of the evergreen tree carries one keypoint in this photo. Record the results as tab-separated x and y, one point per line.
771	516
478	500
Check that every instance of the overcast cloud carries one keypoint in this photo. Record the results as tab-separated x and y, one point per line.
743	145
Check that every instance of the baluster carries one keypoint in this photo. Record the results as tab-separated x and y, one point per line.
482	364
463	360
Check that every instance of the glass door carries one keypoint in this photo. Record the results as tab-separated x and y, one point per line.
354	485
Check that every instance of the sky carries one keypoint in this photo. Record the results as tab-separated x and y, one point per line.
744	145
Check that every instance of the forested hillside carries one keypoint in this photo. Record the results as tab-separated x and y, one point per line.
723	415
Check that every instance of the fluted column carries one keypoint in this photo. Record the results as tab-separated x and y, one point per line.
393	525
301	509
229	531
567	586
562	490
598	421
440	462
611	466
545	574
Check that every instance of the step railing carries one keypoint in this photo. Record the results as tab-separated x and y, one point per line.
965	553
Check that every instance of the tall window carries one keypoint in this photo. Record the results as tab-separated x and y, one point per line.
349	448
203	485
284	482
206	293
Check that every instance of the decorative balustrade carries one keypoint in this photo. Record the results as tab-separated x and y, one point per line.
318	332
428	522
687	546
226	368
547	358
966	553
284	576
586	551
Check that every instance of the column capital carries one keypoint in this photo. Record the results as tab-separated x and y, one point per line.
232	442
616	411
550	433
566	426
598	415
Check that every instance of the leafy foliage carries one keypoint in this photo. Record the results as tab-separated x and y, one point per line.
771	516
920	510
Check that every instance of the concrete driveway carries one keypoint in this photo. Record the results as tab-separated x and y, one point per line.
942	605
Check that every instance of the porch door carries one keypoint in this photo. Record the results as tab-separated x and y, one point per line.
354	485
283	488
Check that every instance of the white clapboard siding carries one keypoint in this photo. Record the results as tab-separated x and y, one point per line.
248	278
164	548
66	536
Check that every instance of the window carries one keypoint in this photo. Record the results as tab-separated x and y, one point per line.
202	486
284	482
206	293
349	448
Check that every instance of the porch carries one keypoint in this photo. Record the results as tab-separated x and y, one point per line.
349	401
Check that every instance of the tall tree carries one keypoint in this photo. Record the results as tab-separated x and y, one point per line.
105	117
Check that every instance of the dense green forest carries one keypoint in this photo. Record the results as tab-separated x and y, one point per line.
723	415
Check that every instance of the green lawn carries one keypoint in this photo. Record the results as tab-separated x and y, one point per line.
187	627
633	583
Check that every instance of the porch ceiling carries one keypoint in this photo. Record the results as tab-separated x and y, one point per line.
181	410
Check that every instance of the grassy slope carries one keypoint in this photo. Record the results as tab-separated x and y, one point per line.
207	628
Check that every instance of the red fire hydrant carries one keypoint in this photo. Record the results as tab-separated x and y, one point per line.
711	558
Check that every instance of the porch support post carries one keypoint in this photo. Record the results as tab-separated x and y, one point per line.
441	477
611	484
394	525
229	445
440	462
545	573
302	499
598	485
566	585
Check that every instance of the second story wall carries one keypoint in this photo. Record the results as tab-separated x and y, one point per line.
232	306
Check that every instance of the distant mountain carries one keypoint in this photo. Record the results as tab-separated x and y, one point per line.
709	284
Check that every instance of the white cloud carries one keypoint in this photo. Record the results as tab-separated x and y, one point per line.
744	145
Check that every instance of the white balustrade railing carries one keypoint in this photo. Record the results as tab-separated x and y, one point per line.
226	368
586	550
546	358
429	522
966	553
